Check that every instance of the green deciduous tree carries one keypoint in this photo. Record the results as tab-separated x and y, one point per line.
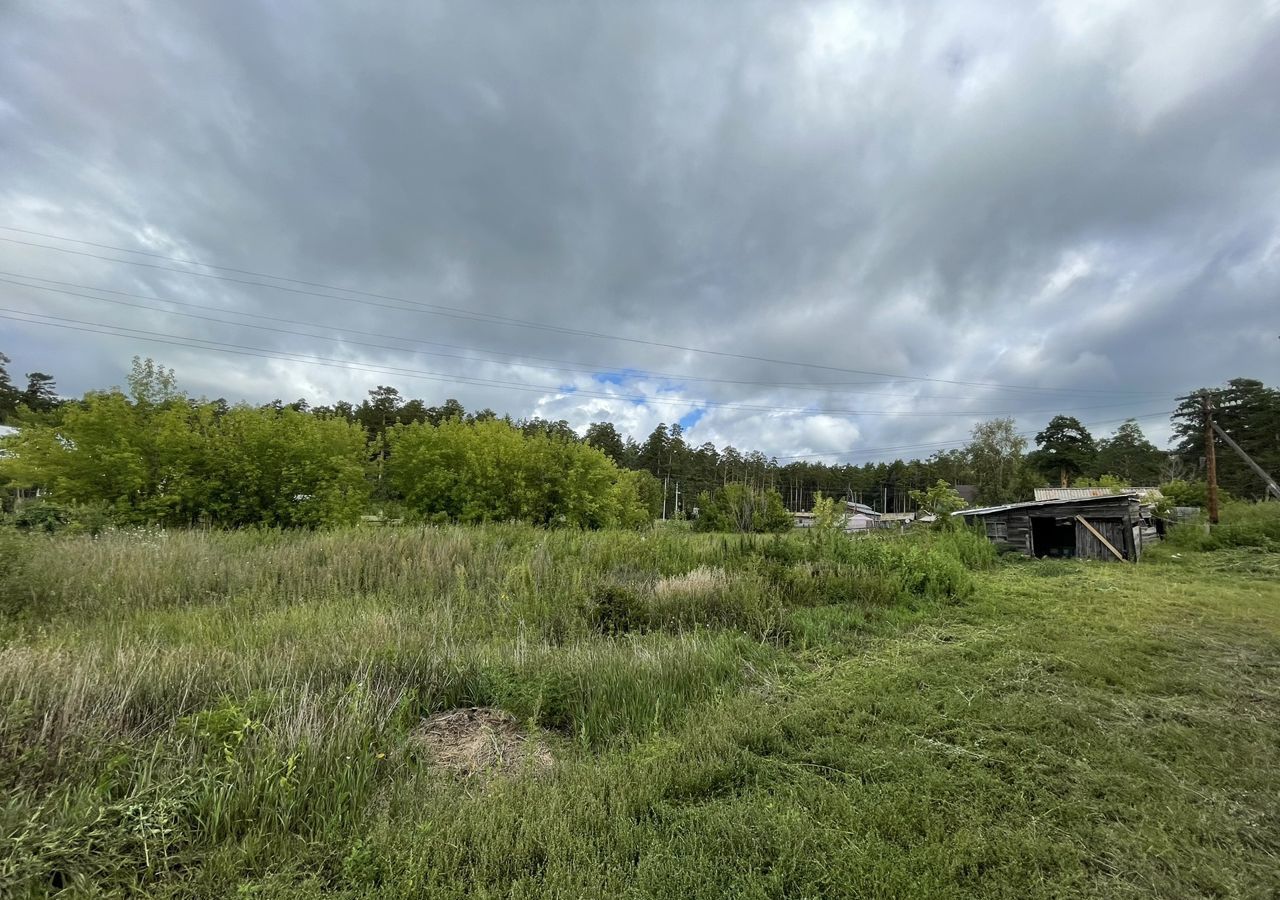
156	456
940	500
828	516
492	471
282	468
743	508
108	450
996	460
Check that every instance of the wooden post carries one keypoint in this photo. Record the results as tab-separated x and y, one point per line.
1210	460
1272	487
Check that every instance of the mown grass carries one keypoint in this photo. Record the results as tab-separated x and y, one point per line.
880	719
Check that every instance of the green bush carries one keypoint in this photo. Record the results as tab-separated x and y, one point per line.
741	508
1241	524
968	545
492	472
41	515
617	609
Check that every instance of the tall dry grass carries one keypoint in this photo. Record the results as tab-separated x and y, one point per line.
169	693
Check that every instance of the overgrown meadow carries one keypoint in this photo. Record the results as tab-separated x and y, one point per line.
185	710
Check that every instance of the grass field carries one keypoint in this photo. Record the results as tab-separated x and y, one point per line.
241	714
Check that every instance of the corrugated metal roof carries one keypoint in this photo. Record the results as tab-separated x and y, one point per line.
986	510
1091	492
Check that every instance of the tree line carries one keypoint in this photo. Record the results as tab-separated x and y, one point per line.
152	453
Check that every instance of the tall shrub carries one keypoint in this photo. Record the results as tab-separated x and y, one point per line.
489	471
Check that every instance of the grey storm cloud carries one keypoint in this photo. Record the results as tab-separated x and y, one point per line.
1077	197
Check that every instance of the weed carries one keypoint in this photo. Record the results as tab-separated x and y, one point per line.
208	714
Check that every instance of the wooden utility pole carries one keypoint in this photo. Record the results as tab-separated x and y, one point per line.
1273	489
1210	461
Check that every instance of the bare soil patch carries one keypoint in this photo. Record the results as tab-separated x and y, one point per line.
481	739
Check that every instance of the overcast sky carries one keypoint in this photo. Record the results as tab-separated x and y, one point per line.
1077	197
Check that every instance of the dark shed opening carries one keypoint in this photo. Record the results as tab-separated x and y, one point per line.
1053	536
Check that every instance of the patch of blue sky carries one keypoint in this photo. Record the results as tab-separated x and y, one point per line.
618	376
691	418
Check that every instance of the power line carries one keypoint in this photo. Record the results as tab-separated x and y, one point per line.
567	367
410	305
289	356
570	368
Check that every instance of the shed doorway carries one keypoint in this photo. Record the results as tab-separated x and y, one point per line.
1054	537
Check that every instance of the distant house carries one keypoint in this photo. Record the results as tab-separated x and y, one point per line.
857	517
1106	527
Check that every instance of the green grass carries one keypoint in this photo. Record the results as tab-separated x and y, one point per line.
205	715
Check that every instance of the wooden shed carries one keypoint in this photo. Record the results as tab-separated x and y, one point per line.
1103	528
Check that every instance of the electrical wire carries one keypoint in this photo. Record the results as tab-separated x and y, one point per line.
434	309
576	368
289	356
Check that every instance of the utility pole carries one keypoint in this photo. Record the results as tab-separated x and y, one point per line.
676	511
1272	487
666	485
1210	460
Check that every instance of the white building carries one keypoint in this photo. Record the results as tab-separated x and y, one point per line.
859	517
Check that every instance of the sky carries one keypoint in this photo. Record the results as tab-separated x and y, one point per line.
839	231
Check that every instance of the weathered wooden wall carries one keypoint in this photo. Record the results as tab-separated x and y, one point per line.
1114	530
1113	516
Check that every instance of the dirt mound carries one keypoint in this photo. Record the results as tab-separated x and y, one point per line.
481	739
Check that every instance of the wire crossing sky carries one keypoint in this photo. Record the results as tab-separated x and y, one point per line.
823	230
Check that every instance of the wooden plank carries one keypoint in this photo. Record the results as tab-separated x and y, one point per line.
1098	534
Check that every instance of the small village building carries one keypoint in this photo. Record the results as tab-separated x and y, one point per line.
858	517
1107	527
896	521
903	520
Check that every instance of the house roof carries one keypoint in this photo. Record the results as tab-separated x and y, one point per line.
1144	493
860	508
1032	504
967	492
